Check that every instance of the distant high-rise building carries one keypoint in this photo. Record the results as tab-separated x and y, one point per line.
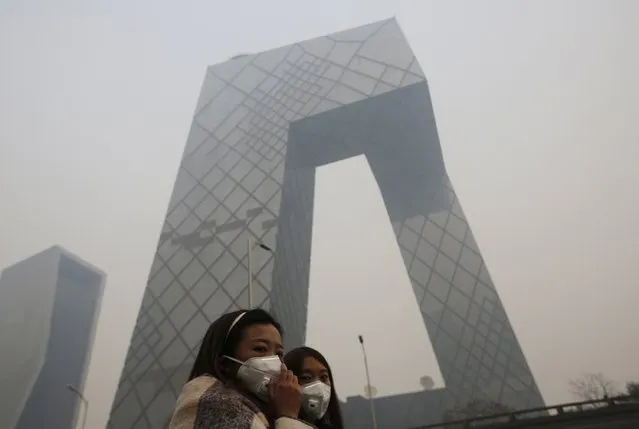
263	124
49	305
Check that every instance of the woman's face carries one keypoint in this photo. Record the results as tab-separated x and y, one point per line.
258	341
314	370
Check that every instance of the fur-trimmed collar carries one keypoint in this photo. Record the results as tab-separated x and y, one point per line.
206	403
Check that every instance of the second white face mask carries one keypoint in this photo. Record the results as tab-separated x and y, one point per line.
255	373
315	399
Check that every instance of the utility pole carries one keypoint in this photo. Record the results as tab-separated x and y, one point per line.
84	400
249	250
368	380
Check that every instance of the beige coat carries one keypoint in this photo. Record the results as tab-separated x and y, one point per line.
205	403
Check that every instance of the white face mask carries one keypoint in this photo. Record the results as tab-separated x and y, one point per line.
256	373
315	399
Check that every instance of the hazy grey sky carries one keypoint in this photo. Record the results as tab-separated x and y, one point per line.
536	105
369	291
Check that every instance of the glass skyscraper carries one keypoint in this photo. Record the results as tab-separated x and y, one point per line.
262	126
49	305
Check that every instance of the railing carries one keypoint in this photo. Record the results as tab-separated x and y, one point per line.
529	414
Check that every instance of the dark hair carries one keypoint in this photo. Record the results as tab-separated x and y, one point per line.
222	338
294	361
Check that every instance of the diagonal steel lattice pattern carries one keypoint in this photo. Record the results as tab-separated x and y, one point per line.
263	123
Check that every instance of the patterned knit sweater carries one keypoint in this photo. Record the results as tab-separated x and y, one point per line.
206	403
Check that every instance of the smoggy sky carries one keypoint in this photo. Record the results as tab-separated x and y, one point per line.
536	106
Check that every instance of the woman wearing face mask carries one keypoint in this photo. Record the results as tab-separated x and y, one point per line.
320	405
238	380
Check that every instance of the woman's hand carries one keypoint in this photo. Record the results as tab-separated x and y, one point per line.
285	394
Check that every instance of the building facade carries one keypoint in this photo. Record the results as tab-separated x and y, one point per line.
262	126
49	305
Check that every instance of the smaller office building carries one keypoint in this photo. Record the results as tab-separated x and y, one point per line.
49	305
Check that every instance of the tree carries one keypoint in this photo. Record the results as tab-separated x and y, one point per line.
632	389
592	387
477	408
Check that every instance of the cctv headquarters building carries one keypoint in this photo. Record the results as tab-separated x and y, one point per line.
262	125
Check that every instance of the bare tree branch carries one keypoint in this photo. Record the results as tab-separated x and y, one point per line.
632	389
593	386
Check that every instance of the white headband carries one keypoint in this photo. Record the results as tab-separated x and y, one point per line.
237	319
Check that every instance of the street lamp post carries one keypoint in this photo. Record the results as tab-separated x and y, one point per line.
249	251
368	380
84	400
